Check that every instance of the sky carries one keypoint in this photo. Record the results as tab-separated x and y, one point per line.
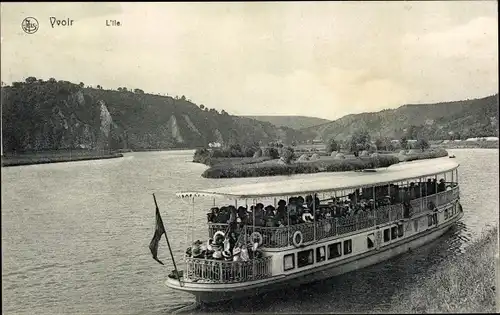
322	59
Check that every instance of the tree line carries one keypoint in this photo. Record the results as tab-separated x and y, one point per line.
81	85
361	141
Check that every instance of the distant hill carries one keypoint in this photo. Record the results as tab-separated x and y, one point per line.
448	120
52	115
295	122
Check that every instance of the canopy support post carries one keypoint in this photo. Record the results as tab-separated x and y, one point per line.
436	190
420	189
314	215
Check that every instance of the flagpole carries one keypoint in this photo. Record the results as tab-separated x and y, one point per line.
168	243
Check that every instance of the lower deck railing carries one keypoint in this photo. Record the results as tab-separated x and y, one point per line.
276	237
218	271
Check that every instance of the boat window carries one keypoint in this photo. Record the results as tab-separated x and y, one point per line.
305	258
289	262
401	230
320	254
370	240
394	232
347	247
446	214
387	235
435	218
334	250
429	219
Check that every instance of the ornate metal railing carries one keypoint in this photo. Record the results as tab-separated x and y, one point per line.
276	237
218	271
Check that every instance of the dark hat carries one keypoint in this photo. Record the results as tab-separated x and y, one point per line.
282	202
259	205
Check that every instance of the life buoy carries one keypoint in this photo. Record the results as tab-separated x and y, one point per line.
258	236
216	234
328	227
298	242
307	217
431	205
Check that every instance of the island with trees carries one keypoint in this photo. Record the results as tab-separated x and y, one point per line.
359	152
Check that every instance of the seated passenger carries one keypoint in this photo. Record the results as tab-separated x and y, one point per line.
259	215
316	201
269	211
212	215
281	211
242	216
292	210
309	201
441	185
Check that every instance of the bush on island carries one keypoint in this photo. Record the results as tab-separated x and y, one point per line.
270	152
303	158
334	153
363	153
314	157
402	152
340	156
287	155
431	154
258	153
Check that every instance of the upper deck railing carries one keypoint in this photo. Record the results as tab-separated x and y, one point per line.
276	237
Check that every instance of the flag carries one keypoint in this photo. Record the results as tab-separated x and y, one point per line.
159	231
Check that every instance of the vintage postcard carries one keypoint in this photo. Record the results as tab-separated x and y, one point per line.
250	157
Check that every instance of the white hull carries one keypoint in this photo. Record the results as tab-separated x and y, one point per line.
221	292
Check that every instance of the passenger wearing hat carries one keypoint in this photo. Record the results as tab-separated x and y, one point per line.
212	215
441	185
292	210
281	211
196	251
259	215
232	218
242	216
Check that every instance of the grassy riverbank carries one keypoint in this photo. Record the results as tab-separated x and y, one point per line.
55	157
266	166
276	167
418	155
463	284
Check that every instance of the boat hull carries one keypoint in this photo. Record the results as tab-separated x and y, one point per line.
223	292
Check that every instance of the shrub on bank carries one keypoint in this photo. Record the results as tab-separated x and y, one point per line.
462	284
436	153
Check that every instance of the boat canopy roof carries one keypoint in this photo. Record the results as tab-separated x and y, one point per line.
329	182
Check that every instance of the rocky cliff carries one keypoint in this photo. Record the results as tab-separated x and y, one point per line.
53	115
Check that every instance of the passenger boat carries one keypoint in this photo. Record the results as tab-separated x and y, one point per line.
409	205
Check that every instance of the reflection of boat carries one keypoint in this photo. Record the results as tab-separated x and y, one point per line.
408	206
452	156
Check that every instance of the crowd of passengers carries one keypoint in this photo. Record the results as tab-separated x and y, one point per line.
299	210
223	246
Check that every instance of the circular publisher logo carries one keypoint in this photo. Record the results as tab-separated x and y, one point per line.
30	25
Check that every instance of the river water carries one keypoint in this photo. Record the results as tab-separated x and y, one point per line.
75	239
